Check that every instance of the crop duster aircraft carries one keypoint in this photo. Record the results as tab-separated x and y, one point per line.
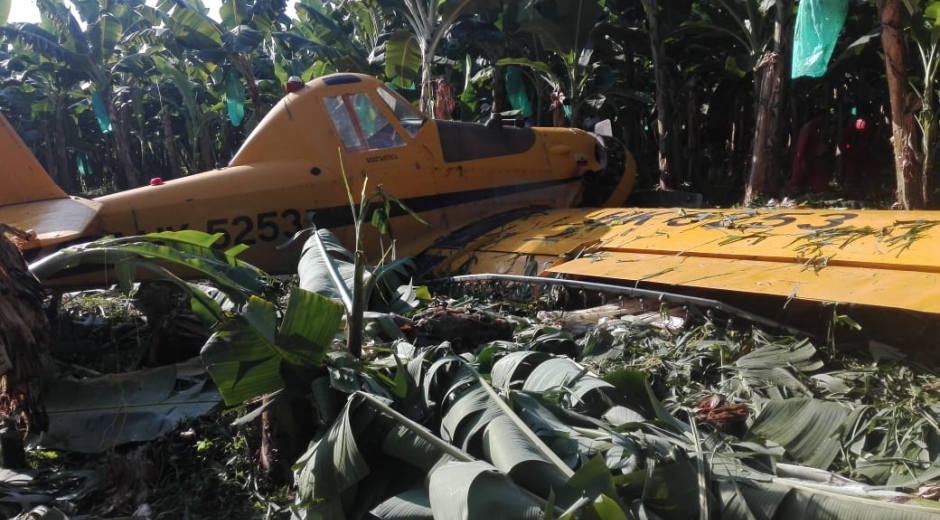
291	168
498	199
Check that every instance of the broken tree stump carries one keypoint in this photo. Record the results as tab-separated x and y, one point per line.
24	343
464	330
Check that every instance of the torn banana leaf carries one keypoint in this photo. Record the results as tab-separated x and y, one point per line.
95	415
472	490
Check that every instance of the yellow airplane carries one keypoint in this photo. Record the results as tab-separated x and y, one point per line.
291	169
498	199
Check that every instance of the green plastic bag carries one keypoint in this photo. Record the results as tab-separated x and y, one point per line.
515	90
234	99
818	24
101	112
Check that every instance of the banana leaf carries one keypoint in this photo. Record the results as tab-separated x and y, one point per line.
467	417
402	443
474	490
45	513
183	249
402	59
334	462
322	261
594	480
234	12
243	39
807	428
95	415
43	41
506	370
445	376
577	388
775	367
514	454
788	498
194	28
105	33
669	491
410	505
564	440
636	393
298	43
248	351
28	488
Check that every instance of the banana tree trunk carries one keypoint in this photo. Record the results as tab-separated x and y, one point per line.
425	101
206	155
255	95
48	152
169	146
63	174
24	333
914	185
251	85
764	178
666	124
130	174
287	428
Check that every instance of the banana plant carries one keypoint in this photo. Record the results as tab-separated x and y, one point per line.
581	71
429	21
228	44
46	89
319	42
249	348
348	279
90	55
925	34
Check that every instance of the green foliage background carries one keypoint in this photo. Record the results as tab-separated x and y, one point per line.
115	92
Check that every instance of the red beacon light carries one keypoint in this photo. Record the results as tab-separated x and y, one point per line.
156	181
294	84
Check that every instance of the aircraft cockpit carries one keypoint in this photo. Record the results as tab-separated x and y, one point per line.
363	126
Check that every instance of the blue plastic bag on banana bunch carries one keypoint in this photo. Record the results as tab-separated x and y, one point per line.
818	24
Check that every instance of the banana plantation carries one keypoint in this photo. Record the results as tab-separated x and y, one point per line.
112	93
194	385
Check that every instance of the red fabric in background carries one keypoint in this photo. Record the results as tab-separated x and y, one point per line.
855	144
807	168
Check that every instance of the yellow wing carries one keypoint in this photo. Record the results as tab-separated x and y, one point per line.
873	258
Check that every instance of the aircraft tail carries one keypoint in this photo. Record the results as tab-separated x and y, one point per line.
22	178
31	201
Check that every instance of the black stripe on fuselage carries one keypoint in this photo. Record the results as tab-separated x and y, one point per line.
338	216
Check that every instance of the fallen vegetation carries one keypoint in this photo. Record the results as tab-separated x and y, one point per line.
470	399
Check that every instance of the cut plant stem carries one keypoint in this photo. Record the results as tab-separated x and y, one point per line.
354	321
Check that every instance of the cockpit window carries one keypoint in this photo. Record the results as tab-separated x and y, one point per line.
360	123
342	120
409	117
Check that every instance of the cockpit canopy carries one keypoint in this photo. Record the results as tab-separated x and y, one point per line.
363	126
